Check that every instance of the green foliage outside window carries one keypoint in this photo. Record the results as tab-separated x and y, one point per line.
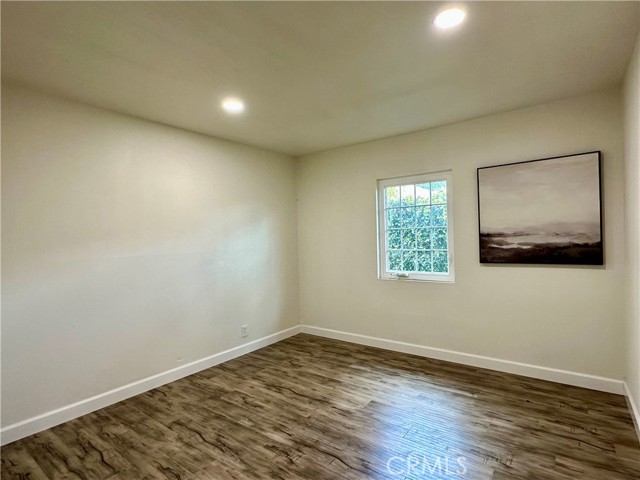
416	227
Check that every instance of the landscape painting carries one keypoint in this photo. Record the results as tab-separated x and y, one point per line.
542	211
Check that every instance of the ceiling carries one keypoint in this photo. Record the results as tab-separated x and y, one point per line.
314	75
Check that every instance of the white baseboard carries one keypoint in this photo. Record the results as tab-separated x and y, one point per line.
36	424
50	419
543	373
633	407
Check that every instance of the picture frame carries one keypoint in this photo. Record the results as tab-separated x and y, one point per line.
546	211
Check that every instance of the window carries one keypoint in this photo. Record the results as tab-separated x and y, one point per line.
415	228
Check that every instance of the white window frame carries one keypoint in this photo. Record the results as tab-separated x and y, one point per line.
383	274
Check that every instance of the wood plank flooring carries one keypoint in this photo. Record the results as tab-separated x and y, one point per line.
312	408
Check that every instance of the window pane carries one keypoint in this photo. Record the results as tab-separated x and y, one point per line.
423	216
415	223
423	239
408	261
408	217
393	218
440	238
408	239
439	192
423	261
440	262
395	239
394	260
392	196
408	195
439	215
423	193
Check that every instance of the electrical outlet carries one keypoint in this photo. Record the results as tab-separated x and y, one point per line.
244	331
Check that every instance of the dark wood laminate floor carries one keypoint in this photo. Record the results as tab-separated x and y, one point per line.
314	408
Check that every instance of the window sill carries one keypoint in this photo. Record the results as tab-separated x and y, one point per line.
449	281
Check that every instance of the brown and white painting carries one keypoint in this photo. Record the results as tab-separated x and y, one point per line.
542	211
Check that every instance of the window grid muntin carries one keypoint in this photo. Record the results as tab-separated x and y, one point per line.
407	199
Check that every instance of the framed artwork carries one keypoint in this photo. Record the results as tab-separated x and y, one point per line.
546	211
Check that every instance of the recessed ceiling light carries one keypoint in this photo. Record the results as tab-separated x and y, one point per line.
449	18
233	105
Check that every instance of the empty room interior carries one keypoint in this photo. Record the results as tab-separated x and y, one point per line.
320	240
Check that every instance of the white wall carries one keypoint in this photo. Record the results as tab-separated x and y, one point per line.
632	192
130	248
558	317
